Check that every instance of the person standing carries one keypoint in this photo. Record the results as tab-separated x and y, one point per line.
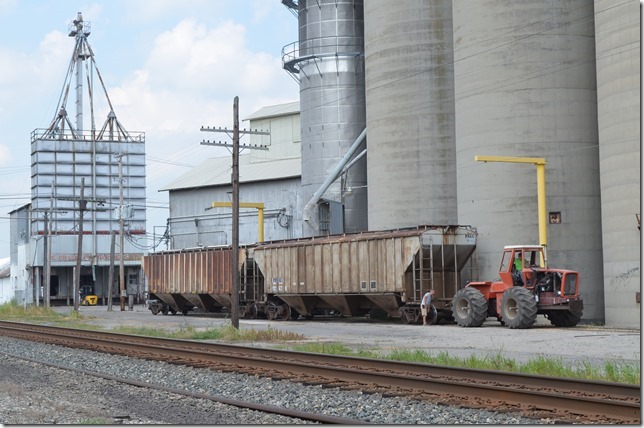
425	305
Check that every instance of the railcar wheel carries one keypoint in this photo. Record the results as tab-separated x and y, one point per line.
154	310
432	315
285	312
469	307
185	311
564	318
405	318
252	312
164	310
518	308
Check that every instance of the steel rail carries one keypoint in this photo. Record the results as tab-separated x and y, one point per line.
618	401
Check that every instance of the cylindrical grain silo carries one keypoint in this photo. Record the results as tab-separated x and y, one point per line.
617	41
409	87
525	87
331	74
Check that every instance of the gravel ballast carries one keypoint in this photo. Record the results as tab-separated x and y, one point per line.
36	394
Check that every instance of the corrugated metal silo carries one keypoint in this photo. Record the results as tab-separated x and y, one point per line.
525	86
410	113
330	69
617	41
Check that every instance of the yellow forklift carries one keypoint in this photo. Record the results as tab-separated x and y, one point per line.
88	298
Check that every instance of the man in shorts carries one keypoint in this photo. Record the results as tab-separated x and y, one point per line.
425	305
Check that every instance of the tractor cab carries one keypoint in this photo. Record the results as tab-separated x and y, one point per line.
522	265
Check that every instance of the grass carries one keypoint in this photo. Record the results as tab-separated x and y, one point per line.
226	333
539	365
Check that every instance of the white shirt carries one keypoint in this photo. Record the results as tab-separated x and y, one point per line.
427	299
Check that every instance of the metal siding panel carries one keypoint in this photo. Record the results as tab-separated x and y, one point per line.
345	262
318	269
400	269
338	267
327	268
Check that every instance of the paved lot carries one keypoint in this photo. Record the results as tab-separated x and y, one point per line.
590	344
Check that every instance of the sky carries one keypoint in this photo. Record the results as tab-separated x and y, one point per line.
169	67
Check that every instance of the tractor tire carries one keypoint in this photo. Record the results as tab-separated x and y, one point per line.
564	318
518	308
469	307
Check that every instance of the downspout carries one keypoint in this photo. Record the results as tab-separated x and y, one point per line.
306	213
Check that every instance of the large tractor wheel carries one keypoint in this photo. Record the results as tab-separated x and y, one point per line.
518	308
564	318
469	307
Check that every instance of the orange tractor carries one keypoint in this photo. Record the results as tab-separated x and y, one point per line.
525	289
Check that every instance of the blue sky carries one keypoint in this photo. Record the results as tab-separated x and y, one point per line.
169	67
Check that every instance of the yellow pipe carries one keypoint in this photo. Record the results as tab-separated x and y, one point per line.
541	190
260	214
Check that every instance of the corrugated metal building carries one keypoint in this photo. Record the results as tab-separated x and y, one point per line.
271	177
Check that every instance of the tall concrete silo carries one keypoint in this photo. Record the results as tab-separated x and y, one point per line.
410	113
617	41
328	62
525	87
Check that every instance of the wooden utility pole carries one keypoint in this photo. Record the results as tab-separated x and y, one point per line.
82	205
45	262
234	310
110	279
121	264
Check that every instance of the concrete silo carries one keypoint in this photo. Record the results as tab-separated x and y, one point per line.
410	113
525	86
328	62
617	41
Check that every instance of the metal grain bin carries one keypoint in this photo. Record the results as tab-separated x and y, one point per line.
357	273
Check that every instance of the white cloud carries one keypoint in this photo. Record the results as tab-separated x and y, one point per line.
5	155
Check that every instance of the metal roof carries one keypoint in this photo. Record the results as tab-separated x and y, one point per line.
277	110
5	267
216	172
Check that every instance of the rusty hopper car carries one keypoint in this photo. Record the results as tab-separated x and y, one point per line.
356	274
181	280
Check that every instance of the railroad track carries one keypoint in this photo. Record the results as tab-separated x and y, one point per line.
563	400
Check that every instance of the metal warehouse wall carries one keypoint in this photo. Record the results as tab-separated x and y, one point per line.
191	225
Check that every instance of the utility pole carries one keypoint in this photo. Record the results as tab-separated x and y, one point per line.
234	310
121	264
47	263
110	279
82	205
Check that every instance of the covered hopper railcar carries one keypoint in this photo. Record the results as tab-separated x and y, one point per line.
180	280
350	274
360	273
